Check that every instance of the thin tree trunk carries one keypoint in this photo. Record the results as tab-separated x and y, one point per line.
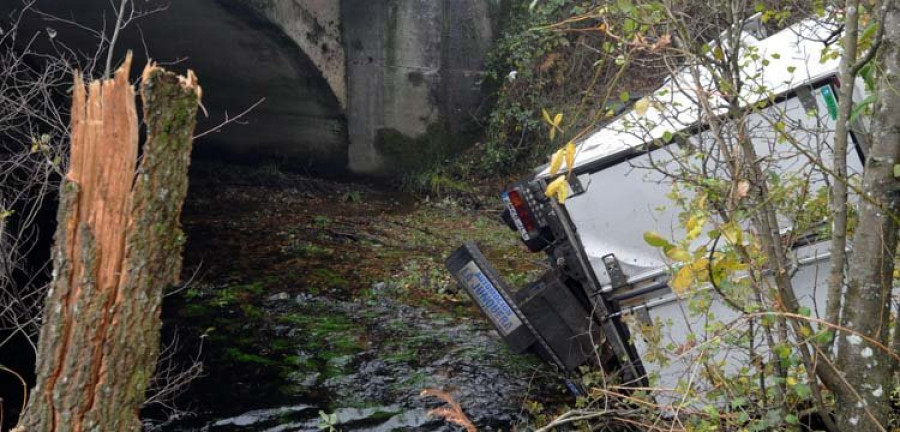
867	302
118	245
839	185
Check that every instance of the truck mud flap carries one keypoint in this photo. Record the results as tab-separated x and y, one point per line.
544	316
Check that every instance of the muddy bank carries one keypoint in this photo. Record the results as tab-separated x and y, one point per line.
320	302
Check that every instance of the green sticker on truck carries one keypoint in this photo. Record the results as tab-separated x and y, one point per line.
830	101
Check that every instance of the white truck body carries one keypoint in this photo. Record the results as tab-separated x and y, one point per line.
618	197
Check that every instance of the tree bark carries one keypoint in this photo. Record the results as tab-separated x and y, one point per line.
867	302
837	261
118	245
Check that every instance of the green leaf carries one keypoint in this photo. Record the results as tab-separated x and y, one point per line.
667	136
824	337
783	350
802	390
792	419
869	31
861	107
805	311
654	239
624	96
866	73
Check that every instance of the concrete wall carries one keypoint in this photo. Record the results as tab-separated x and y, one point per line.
315	26
373	86
414	69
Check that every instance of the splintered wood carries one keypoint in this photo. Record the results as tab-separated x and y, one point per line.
118	245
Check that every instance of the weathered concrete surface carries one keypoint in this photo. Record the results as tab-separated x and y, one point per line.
239	57
315	26
373	86
414	69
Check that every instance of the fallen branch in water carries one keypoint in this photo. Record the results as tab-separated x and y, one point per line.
452	413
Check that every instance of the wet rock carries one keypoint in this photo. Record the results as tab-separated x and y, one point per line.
304	380
279	297
258	418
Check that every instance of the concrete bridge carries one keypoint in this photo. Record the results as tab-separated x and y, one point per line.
349	85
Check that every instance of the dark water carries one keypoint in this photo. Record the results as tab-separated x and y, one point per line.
365	362
294	331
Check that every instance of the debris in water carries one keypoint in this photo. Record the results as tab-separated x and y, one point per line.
452	413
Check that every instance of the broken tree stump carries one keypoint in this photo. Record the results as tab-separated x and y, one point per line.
117	247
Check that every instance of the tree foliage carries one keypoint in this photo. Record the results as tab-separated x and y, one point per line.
550	58
751	184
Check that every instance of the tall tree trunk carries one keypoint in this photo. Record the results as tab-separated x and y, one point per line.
837	261
118	245
867	302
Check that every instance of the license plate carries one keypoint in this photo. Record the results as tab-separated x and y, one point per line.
488	298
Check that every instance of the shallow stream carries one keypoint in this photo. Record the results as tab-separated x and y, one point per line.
316	305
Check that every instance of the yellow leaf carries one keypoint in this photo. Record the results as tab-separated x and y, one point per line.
694	226
700	265
678	254
562	193
791	381
557	119
730	264
555	162
546	116
683	280
570	155
641	106
553	187
718	54
552	133
701	269
733	233
701	202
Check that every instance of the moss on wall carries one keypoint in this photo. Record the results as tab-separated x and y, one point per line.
406	154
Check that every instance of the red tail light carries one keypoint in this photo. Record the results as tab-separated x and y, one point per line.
522	210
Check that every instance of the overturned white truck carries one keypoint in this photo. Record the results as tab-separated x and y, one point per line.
606	283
